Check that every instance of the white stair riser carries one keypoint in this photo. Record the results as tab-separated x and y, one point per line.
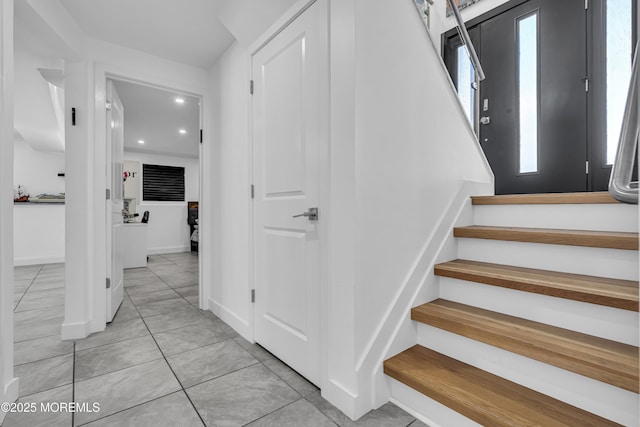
430	411
613	263
605	322
601	217
594	396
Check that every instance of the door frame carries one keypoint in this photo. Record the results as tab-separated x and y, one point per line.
102	73
324	195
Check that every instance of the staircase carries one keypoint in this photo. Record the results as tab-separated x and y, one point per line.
536	322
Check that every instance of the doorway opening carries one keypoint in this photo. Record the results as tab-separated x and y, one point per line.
158	177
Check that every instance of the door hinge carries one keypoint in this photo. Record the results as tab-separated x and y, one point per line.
108	194
253	191
107	104
251	87
253	295
108	283
587	167
586	4
586	84
200	136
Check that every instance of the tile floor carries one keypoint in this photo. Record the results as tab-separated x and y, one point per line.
161	362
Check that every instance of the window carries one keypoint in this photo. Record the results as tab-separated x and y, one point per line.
619	51
162	183
528	92
464	81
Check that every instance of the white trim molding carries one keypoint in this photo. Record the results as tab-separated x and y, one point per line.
8	384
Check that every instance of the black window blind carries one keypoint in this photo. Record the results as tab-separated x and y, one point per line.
162	183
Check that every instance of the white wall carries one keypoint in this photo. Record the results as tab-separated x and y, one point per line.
35	117
8	384
38	171
168	230
401	150
230	291
38	229
38	155
38	233
414	150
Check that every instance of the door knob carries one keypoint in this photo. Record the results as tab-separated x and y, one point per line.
312	214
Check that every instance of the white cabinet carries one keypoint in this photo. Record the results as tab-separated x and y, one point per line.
135	245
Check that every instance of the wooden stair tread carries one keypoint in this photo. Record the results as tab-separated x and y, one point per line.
600	197
481	396
616	293
604	360
595	239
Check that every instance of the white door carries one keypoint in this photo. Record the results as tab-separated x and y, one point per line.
115	168
290	131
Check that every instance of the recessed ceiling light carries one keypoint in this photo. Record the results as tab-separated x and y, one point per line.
141	141
182	131
179	100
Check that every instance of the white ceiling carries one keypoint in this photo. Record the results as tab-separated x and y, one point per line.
152	115
192	32
186	31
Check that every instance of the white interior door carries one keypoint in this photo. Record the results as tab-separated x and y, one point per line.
115	164
289	136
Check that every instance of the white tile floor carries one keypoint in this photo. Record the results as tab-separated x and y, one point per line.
161	362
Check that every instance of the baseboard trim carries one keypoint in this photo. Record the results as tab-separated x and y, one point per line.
240	325
168	250
342	398
75	330
10	394
409	410
37	260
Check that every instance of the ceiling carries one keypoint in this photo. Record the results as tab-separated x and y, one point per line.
192	32
186	31
153	116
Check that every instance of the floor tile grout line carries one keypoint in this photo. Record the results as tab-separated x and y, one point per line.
121	369
173	372
37	291
36	338
162	357
168	312
194	348
224	375
34	309
111	343
168	364
329	417
28	287
151	302
131	407
73	383
275	410
15	365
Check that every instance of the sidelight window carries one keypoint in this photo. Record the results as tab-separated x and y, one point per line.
528	93
465	79
619	51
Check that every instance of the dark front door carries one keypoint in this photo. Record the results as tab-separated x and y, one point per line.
545	106
533	98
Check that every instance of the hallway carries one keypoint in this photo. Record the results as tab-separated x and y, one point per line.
161	362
